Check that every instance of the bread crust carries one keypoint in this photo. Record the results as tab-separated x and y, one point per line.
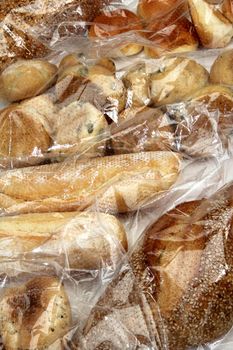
34	315
116	184
227	9
75	240
214	30
188	251
221	70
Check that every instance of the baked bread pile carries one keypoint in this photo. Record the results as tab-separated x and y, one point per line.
95	253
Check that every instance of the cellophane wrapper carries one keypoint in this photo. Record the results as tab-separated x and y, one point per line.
115	184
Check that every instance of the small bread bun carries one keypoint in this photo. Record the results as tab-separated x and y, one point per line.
79	128
227	9
173	33
154	9
137	82
214	30
107	63
79	240
222	69
148	129
178	78
184	264
24	139
34	315
116	22
25	79
68	61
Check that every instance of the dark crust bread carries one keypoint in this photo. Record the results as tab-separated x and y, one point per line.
188	251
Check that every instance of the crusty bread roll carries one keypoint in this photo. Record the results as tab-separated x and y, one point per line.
214	30
34	315
170	34
68	61
24	139
79	240
25	79
184	262
95	84
157	9
137	81
107	63
148	129
80	127
112	23
177	78
221	71
227	9
117	183
206	121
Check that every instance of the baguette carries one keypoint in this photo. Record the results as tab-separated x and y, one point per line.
81	240
187	254
34	315
116	184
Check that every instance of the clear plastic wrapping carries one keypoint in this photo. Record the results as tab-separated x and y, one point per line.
116	124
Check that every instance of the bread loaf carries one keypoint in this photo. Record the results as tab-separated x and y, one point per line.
177	79
75	240
25	79
148	129
187	257
214	29
34	315
117	183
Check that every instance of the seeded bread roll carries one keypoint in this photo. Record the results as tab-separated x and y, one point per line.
214	29
80	128
25	79
184	262
75	240
177	78
222	70
34	315
115	184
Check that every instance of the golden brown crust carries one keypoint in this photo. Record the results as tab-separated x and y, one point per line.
153	9
214	30
118	183
221	71
227	9
116	22
21	137
172	34
189	253
39	307
178	78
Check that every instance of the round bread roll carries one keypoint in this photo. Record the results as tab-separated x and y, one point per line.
24	139
80	128
172	34
137	82
147	129
153	9
227	9
25	79
184	262
112	23
68	61
35	314
222	69
207	122
214	29
107	63
177	78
